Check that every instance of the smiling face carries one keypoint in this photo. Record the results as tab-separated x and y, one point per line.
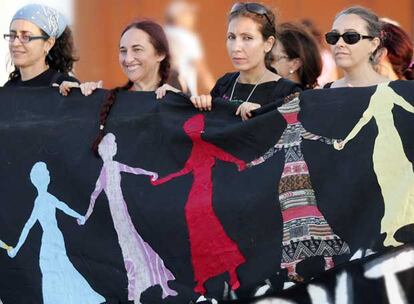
245	44
138	57
32	53
346	55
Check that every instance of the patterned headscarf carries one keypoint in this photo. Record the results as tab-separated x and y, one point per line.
46	18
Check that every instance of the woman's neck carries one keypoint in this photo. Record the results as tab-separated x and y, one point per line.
385	68
149	83
294	77
362	76
253	76
30	72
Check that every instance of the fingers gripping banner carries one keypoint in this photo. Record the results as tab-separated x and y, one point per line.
184	205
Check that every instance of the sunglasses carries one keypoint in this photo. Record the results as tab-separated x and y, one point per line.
251	7
348	37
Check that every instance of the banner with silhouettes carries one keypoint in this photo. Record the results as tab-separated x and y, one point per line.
179	206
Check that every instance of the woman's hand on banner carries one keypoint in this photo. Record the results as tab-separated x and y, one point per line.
162	90
244	110
202	102
87	88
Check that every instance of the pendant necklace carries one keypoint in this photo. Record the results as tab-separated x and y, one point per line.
251	92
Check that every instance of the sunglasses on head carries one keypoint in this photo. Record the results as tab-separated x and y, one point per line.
251	7
348	37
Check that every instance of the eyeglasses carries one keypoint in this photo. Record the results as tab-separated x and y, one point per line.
23	38
251	7
348	37
278	58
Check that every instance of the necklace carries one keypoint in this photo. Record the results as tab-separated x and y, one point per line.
251	92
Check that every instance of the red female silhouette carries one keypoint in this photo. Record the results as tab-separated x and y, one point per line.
212	250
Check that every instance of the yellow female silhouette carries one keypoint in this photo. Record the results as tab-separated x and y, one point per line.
393	170
5	246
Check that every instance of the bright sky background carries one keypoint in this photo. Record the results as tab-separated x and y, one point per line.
8	8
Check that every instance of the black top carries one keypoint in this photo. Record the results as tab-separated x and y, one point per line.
328	85
264	93
47	78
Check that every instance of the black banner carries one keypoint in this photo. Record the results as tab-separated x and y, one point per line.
184	205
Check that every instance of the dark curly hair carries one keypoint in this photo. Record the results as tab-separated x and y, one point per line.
159	41
61	56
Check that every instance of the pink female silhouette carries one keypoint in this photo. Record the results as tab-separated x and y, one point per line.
212	250
144	266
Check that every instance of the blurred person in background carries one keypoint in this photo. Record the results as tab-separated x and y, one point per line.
356	42
251	35
296	56
41	47
396	58
329	70
187	56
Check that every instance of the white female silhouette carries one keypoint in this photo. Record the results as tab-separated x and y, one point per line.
143	265
393	170
61	282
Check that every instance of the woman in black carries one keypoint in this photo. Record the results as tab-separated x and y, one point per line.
250	38
41	47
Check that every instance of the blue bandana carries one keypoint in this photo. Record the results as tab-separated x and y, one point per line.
46	18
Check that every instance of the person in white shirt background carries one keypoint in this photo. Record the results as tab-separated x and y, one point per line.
185	46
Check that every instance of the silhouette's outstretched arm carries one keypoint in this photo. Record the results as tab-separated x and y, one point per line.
403	103
366	117
185	170
4	245
137	171
69	211
26	229
225	156
310	136
268	154
100	184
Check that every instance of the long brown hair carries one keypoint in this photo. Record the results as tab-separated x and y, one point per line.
399	50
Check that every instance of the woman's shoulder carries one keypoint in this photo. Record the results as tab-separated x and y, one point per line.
287	87
328	85
223	84
59	77
10	83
